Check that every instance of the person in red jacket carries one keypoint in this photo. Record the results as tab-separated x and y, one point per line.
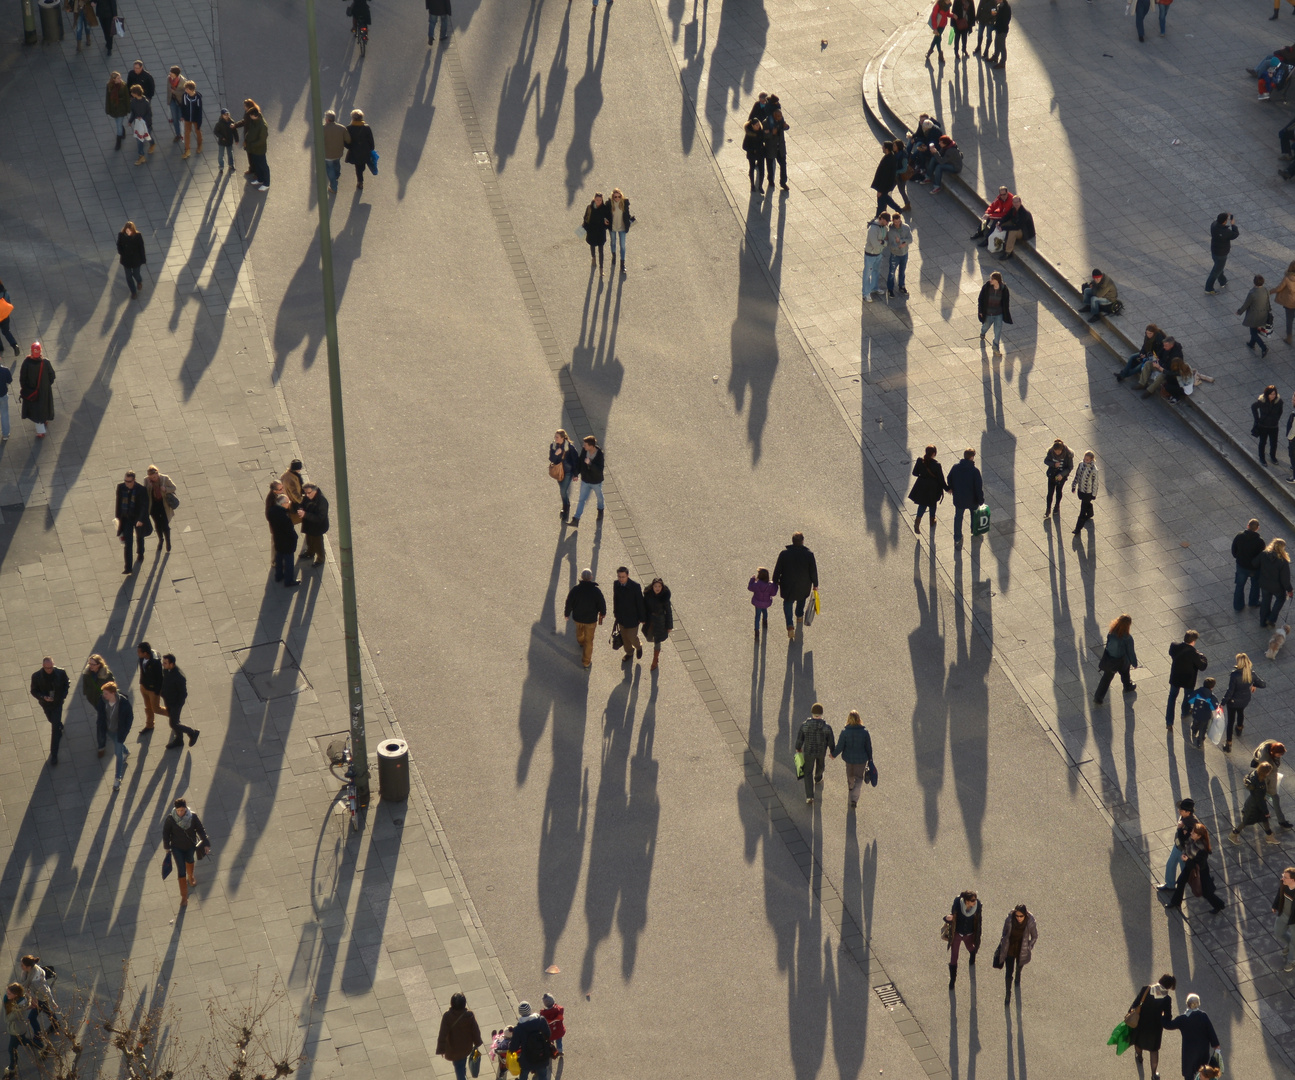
994	213
938	21
552	1012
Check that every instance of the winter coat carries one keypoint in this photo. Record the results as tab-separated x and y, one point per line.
1003	17
154	503
1285	292
116	101
1255	808
762	593
1246	547
438	7
174	85
1221	237
627	219
854	744
282	530
226	132
568	454
966	486
557	1025
1264	753
939	18
815	739
1187	663
660	614
459	1034
125	715
191	108
874	243
966	924
92	684
130	249
1122	649
627	603
143	80
150	672
982	305
883	180
131	509
1085	480
597	220
1199	1040
753	145
15	1016
54	682
314	515
1020	220
141	109
1059	465
36	388
1238	693
1274	573
585	603
985	12
175	688
1028	939
185	837
929	487
37	986
523	1031
950	157
796	572
591	472
360	143
1151	1019
1257	307
291	481
256	134
1267	413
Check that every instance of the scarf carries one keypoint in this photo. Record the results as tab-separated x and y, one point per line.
185	820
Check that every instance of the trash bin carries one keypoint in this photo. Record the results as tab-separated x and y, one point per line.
393	770
51	20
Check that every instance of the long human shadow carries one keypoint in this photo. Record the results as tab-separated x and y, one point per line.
416	129
594	366
753	339
883	364
794	704
520	86
926	647
587	103
997	459
368	925
690	72
756	738
739	46
546	121
967	694
858	883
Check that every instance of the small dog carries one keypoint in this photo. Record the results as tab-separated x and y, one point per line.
1278	640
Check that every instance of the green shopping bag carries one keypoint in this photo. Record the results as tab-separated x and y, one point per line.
800	765
952	33
1121	1038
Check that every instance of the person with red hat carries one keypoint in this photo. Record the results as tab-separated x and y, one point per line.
36	388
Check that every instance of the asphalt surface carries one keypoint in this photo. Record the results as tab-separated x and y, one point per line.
599	823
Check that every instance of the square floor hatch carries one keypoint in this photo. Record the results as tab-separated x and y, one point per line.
271	670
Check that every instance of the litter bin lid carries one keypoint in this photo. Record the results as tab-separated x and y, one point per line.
50	3
389	748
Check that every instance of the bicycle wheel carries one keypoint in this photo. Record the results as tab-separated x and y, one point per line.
364	40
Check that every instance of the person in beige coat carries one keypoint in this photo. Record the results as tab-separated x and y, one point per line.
160	494
1284	294
291	481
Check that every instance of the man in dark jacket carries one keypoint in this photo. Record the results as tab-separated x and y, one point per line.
1222	232
628	611
139	76
132	518
1245	550
175	692
1186	823
314	522
1018	225
883	181
49	686
590	465
1002	20
968	490
532	1042
815	740
796	575
150	683
285	541
106	11
1199	1039
1187	662
438	9
115	718
587	606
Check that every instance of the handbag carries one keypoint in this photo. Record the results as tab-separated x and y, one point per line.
946	931
799	759
870	774
1108	663
202	852
811	608
172	500
618	642
474	1063
558	471
1194	880
6	309
1134	1015
373	162
167	866
998	960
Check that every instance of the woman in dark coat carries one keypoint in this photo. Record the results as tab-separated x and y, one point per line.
130	249
964	924
1241	687
660	617
1156	1005
1274	565
1016	946
563	451
438	9
36	388
994	307
183	836
1267	412
928	489
1196	855
1060	463
597	220
359	145
1117	658
116	103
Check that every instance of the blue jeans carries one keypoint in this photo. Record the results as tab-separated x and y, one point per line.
1216	272
1239	595
223	152
542	1073
4	416
938	170
119	748
120	121
996	321
1095	303
460	1066
871	273
788	605
761	616
431	33
585	489
261	167
900	263
133	279
1171	867
82	28
143	147
564	486
922	508
1164	10
1283	930
958	511
1140	13
333	170
1268	610
8	334
614	235
1132	367
284	566
175	119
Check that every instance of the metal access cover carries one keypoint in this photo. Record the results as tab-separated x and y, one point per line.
271	670
890	997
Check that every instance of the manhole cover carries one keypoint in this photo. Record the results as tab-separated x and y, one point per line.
271	670
890	997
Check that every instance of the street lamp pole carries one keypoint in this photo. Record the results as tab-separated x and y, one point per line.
342	501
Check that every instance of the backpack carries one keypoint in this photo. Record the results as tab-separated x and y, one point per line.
537	1049
1202	710
1251	781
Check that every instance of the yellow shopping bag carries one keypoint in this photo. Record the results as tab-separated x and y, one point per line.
514	1066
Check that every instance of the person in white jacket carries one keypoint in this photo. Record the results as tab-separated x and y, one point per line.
1085	483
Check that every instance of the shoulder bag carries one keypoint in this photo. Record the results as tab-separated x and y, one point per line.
557	470
1132	1017
172	500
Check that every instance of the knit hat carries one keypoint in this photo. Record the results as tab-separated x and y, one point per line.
549	1001
524	1009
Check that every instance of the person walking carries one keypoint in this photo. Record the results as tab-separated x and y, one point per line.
187	841
16	1010
815	741
762	593
1246	546
174	94
1290	441
117	104
191	116
94	677
621	220
40	995
7	331
1242	684
753	147
82	13
1118	657
1085	483
985	11
899	238
1272	751
1155	1006
359	146
226	136
1162	9
967	488
161	492
1284	909
883	180
335	139
994	307
150	683
1223	230
628	612
1274	581
256	140
903	173
1256	310
854	747
964	929
174	693
1199	1040
314	523
592	466
587	606
438	9
1285	297
106	10
1002	20
141	123
1202	704
140	76
6	381
564	464
36	388
284	529
938	20
874	247
116	715
1140	11
1186	662
49	686
553	1013
459	1036
928	488
796	575
1059	463
1255	809
1187	821
133	523
660	618
1020	932
130	252
597	220
1196	856
532	1040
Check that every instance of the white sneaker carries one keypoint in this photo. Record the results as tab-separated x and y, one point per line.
1290	966
116	784
263	187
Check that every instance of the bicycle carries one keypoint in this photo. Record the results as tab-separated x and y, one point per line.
339	753
360	31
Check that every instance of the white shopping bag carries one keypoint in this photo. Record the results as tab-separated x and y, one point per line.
1218	727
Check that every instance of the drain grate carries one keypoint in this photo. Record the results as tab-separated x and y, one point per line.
890	997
